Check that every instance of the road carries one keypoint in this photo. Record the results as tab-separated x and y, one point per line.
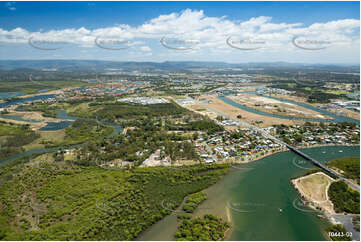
294	149
346	220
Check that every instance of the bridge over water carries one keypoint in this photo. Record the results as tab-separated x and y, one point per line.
292	148
308	158
322	166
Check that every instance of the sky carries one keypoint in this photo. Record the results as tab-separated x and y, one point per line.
234	32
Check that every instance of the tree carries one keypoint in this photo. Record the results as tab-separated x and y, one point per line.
195	136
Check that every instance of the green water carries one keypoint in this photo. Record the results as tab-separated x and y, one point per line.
336	118
251	200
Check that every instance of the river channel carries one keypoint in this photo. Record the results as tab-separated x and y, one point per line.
336	118
260	203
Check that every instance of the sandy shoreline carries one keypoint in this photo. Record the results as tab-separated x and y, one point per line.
265	103
316	195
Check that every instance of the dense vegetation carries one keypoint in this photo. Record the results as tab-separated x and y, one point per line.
206	125
142	138
349	165
112	111
313	91
201	229
64	201
339	233
82	131
192	201
13	137
47	110
343	198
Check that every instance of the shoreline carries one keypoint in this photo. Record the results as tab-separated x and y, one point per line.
325	207
179	210
310	115
312	202
299	147
229	231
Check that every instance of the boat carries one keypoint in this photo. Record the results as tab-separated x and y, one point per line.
280	210
323	152
340	151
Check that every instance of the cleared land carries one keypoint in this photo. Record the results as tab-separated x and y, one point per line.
276	107
314	188
46	137
252	118
340	111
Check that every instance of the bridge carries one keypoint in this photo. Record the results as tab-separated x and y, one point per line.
308	158
322	166
292	148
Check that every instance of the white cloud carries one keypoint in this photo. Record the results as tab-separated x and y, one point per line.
145	48
211	32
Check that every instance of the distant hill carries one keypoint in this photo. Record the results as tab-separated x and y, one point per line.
99	65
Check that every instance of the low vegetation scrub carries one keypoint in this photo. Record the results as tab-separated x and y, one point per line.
207	228
193	201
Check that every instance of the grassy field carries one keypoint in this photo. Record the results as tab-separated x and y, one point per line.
10	129
315	186
14	137
46	137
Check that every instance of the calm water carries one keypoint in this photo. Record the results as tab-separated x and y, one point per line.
336	118
52	126
18	118
61	114
251	199
23	100
6	95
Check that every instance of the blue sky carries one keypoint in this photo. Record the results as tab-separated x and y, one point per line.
208	24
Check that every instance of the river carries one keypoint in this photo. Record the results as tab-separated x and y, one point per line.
27	99
259	201
52	126
336	118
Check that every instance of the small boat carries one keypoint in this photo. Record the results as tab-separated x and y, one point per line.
323	152
340	151
280	210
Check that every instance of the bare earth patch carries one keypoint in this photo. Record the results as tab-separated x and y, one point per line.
155	160
314	189
216	104
273	106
